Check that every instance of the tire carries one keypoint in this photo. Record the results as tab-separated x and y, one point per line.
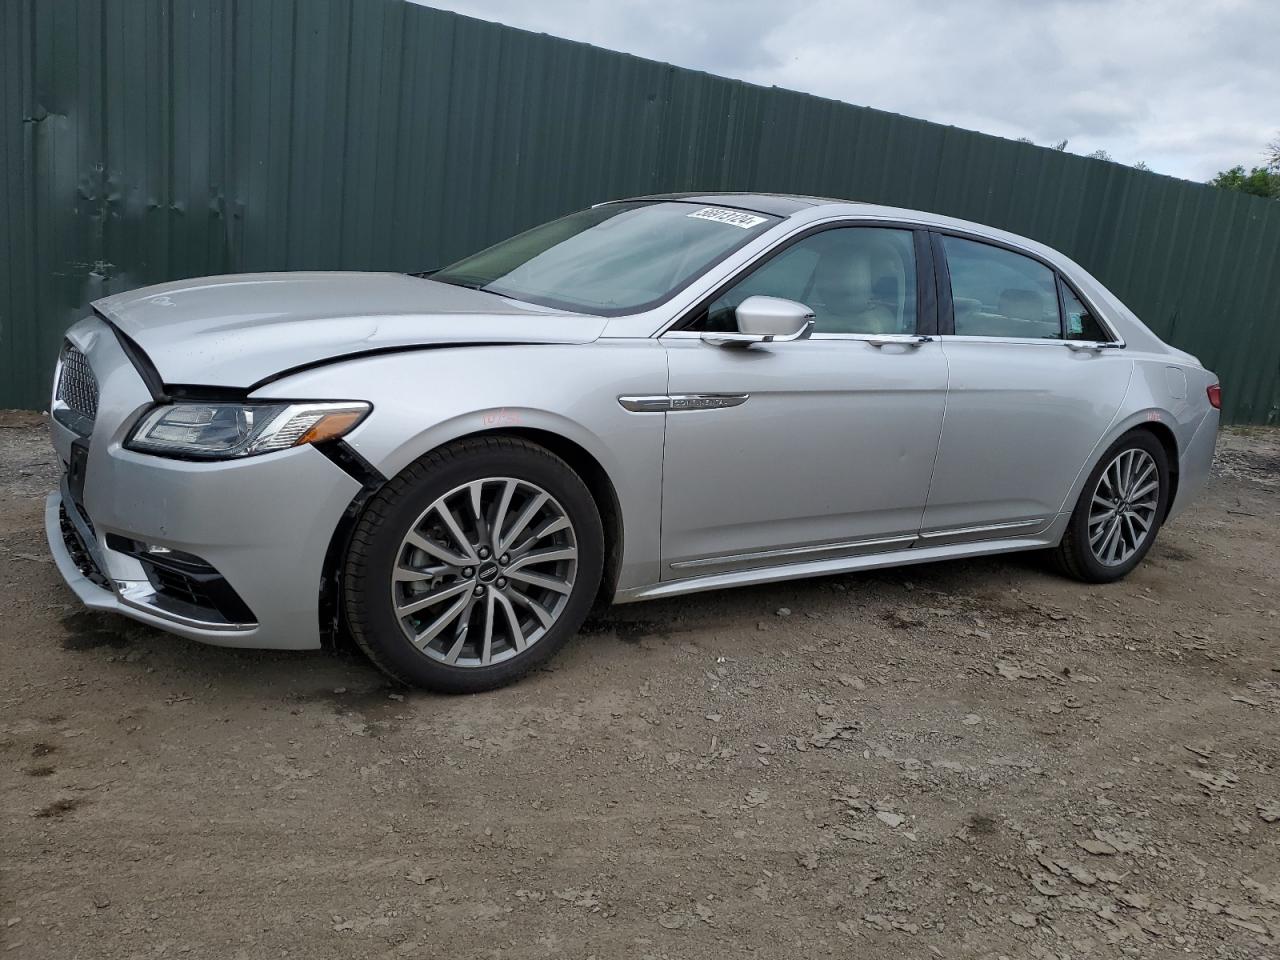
402	574
1108	556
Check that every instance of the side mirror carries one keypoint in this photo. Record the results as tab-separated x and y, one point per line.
766	320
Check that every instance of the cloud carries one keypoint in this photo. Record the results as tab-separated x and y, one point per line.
1188	87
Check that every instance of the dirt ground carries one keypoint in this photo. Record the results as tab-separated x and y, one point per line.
969	759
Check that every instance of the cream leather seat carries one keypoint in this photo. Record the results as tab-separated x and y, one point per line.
842	293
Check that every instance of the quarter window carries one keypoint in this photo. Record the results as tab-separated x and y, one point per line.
1081	324
997	293
854	279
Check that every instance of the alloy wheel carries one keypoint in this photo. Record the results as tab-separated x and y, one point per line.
1122	513
484	572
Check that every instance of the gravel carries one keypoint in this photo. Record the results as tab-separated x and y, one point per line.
970	759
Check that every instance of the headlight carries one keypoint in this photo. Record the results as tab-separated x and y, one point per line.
221	431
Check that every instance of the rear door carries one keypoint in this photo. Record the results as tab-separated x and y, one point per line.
1029	397
818	448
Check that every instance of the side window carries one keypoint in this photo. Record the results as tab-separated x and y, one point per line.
854	279
997	293
1081	323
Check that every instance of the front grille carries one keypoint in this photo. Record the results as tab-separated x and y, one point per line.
77	386
189	579
180	586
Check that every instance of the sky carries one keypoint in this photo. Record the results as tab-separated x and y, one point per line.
1189	88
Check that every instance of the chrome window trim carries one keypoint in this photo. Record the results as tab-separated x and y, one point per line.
1035	342
910	340
808	226
1058	272
906	339
887	223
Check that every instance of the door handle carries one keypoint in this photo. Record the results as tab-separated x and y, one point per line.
1077	346
899	340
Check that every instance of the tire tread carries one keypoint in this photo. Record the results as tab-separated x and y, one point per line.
374	518
1070	555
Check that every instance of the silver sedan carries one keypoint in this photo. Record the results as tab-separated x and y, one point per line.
647	398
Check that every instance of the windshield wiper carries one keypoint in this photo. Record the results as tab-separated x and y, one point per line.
471	283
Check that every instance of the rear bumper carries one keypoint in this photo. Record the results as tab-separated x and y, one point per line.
1195	463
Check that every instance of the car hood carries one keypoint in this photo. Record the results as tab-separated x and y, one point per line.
236	331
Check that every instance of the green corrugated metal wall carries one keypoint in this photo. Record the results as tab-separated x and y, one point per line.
145	140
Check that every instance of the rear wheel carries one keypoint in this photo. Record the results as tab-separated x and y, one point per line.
474	565
1119	511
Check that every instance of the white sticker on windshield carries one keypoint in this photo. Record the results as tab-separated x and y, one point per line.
734	218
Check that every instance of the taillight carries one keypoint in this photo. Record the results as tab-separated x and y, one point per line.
1215	396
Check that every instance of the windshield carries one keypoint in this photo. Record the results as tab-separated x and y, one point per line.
609	260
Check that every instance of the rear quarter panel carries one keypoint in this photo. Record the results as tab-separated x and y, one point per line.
1169	390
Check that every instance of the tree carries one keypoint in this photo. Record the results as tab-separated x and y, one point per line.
1060	146
1273	155
1099	154
1258	182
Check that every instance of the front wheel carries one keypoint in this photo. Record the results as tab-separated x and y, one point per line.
474	565
1119	511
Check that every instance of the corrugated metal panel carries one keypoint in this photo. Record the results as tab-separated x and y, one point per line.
145	140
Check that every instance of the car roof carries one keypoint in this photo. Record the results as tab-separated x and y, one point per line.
787	205
774	204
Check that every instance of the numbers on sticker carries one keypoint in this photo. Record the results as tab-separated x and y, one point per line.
734	218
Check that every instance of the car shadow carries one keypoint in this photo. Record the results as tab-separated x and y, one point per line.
343	676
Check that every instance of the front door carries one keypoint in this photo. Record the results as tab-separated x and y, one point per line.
828	447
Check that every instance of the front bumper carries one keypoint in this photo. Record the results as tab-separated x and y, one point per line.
74	557
262	524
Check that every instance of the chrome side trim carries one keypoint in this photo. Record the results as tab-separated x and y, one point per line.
791	552
707	401
987	528
827	567
661	403
142	596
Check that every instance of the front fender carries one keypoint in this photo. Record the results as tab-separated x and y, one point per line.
425	399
